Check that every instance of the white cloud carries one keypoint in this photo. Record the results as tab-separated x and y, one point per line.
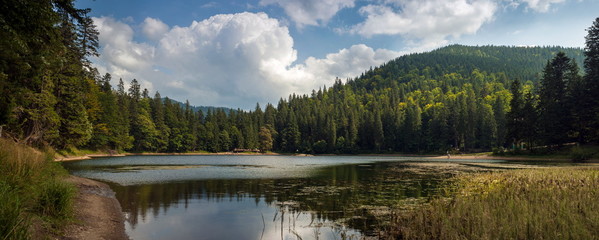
428	21
348	63
119	54
232	55
232	60
541	5
310	12
154	29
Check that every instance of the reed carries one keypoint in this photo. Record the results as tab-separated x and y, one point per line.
554	203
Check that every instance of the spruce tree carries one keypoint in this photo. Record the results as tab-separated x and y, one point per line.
591	82
554	119
515	117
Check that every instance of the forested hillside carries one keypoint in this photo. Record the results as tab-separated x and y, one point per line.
524	63
453	98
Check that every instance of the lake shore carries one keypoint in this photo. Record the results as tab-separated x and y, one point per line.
456	156
97	212
101	155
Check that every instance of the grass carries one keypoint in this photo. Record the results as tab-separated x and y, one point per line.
553	203
31	187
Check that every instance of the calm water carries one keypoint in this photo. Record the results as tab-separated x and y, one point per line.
262	197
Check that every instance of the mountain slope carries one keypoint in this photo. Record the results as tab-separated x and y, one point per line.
524	63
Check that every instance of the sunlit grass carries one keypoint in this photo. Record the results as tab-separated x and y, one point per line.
554	203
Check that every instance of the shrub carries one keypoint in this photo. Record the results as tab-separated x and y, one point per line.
580	154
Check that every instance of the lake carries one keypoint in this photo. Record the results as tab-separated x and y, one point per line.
267	197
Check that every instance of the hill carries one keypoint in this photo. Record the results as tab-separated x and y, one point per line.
524	63
454	98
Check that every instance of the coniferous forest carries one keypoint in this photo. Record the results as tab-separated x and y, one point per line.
456	98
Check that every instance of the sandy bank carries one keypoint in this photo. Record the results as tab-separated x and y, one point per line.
90	156
84	157
97	212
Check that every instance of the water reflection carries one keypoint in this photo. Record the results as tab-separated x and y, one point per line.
303	199
337	197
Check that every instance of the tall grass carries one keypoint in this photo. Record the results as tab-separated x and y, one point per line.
31	186
557	203
13	223
19	162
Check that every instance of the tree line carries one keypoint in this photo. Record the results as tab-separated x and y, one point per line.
566	108
454	98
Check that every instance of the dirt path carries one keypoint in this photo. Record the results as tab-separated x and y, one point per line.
97	211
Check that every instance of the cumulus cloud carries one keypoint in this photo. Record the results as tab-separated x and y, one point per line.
119	54
348	63
232	54
154	29
310	12
232	60
429	21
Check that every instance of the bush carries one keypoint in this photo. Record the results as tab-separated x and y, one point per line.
580	154
320	146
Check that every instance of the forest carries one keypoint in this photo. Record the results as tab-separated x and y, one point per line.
456	98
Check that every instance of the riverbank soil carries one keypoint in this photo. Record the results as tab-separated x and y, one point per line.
97	212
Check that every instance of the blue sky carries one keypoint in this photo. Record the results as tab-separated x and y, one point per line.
237	53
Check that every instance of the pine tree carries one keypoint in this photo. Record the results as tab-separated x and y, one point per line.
158	117
590	113
515	117
554	119
123	139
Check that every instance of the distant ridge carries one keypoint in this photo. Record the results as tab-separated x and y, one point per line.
204	109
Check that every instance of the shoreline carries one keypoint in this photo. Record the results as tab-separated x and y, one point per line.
90	156
432	156
97	212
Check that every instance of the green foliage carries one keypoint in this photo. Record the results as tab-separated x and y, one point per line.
265	137
44	46
320	146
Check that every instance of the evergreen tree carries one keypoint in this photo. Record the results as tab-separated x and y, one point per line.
123	139
290	138
515	117
590	113
554	119
530	120
158	116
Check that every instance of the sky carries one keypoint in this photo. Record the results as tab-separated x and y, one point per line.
239	53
